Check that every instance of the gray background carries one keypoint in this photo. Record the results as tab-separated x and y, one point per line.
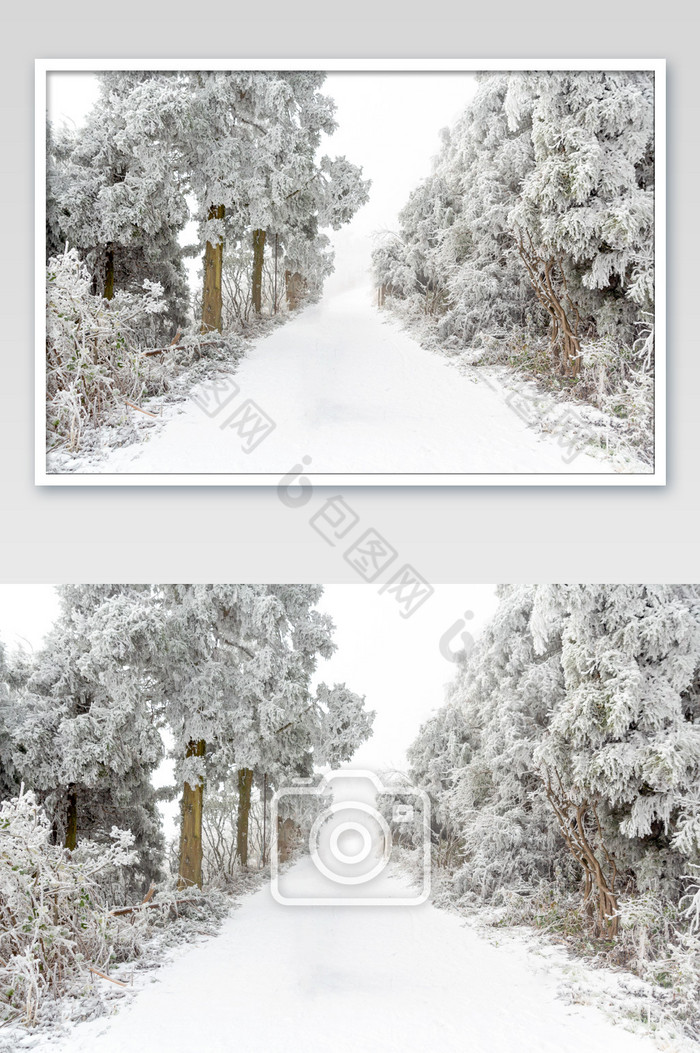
471	534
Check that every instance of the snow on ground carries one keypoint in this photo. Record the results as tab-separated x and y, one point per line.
313	978
347	388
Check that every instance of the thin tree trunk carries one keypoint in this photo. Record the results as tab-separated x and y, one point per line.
264	834
564	343
245	782
598	864
274	307
258	259
72	821
191	830
213	262
109	273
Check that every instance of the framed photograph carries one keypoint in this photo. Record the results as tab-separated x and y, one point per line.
408	824
350	272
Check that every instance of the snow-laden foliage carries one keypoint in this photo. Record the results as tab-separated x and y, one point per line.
236	663
118	197
54	922
565	765
94	363
60	937
531	242
236	667
10	778
560	165
86	737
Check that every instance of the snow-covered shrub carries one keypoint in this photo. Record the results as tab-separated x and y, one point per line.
94	362
54	925
57	922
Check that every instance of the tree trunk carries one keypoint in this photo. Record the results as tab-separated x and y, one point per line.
245	782
564	340
72	821
109	273
191	830
294	287
581	829
258	260
211	295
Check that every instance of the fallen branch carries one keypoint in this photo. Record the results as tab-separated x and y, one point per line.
146	906
177	347
98	973
154	415
162	350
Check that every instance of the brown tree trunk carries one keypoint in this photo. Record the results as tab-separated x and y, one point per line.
258	260
72	821
599	867
191	829
109	273
564	340
245	782
211	295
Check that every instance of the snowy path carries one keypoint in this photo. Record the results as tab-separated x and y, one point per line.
360	979
347	388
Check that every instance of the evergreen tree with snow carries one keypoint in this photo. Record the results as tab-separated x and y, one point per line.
9	775
88	740
569	747
539	214
234	675
116	193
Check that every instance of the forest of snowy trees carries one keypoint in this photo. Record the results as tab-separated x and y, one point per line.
217	676
531	244
236	152
564	771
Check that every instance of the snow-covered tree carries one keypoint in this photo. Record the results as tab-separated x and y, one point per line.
9	775
234	674
569	747
115	192
539	212
621	755
584	220
88	742
246	143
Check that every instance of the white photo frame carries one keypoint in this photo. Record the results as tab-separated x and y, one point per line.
305	471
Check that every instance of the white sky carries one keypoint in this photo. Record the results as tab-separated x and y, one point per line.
389	123
27	612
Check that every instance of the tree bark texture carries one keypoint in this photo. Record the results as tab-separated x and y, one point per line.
211	295
258	260
72	821
245	782
191	830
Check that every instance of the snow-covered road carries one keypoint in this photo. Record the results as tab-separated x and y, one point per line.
352	392
352	980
